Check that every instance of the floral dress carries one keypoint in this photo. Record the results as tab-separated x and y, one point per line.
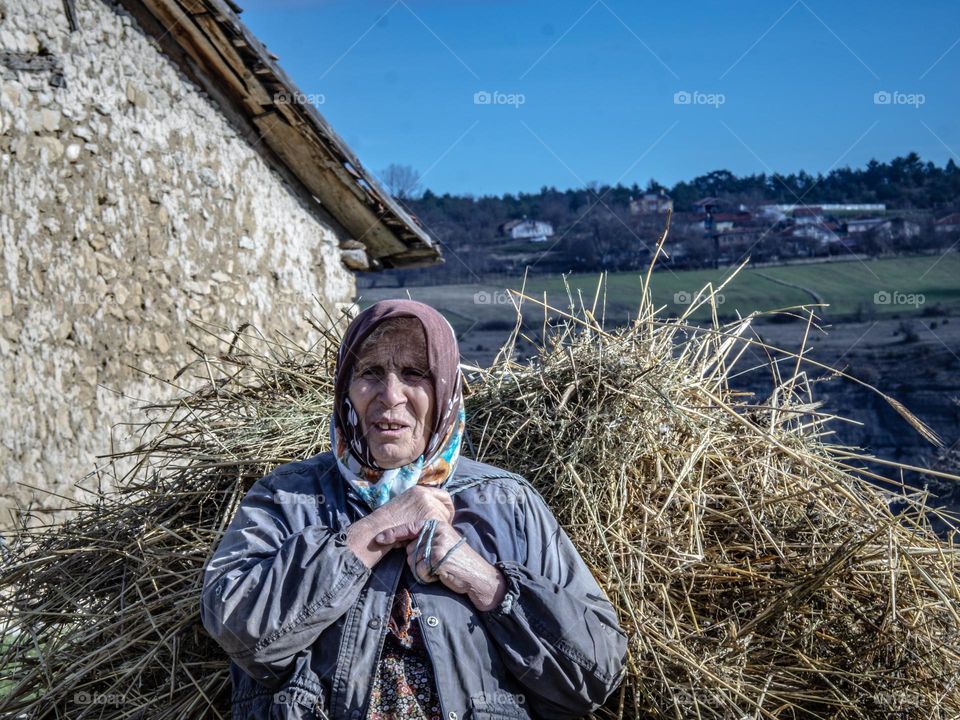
404	687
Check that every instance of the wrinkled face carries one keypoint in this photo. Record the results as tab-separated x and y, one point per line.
392	392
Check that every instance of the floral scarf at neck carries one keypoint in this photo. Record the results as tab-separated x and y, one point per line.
379	486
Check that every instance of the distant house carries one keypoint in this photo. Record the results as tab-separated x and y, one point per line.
948	224
676	251
799	241
823	232
841	245
688	223
894	228
743	235
706	205
772	213
812	215
717	221
532	230
651	203
722	222
862	225
898	228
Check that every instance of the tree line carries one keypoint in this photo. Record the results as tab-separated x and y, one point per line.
594	227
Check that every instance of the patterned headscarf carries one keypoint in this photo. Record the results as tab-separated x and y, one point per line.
374	484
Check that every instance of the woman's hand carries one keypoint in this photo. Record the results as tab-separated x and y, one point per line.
415	505
464	570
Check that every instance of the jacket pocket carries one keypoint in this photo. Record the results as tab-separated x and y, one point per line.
496	711
295	703
504	713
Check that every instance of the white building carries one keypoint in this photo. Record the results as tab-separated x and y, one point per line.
827	208
532	230
808	215
651	203
862	225
894	228
948	224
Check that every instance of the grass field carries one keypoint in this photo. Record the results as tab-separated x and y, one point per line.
853	290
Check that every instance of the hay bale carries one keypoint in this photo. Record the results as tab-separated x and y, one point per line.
757	574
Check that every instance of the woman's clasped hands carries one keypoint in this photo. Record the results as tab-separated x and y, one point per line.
446	558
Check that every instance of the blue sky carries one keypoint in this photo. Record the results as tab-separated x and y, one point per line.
587	90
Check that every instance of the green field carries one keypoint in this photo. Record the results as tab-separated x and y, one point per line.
911	285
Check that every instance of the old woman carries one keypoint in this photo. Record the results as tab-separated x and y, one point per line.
393	577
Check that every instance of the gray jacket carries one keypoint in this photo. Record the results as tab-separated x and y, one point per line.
303	619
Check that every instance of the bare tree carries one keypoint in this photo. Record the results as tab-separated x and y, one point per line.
402	181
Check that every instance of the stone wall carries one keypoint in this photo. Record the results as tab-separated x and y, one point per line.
129	205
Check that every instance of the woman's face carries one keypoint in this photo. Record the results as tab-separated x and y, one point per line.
391	386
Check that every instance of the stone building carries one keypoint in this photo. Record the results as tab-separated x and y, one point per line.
156	167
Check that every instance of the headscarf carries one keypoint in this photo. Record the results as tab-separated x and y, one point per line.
374	484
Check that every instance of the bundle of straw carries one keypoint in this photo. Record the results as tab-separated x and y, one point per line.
757	573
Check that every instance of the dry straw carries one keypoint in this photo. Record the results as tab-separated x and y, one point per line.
758	574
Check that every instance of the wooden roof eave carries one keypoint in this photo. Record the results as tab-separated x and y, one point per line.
211	35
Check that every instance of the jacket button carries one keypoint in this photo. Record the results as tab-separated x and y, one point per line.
452	715
374	623
433	621
355	715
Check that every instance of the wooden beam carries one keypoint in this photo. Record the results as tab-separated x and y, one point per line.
184	28
330	190
334	140
233	63
254	91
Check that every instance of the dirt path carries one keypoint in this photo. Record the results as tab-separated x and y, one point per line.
817	298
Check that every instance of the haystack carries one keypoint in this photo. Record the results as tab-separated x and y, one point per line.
758	571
